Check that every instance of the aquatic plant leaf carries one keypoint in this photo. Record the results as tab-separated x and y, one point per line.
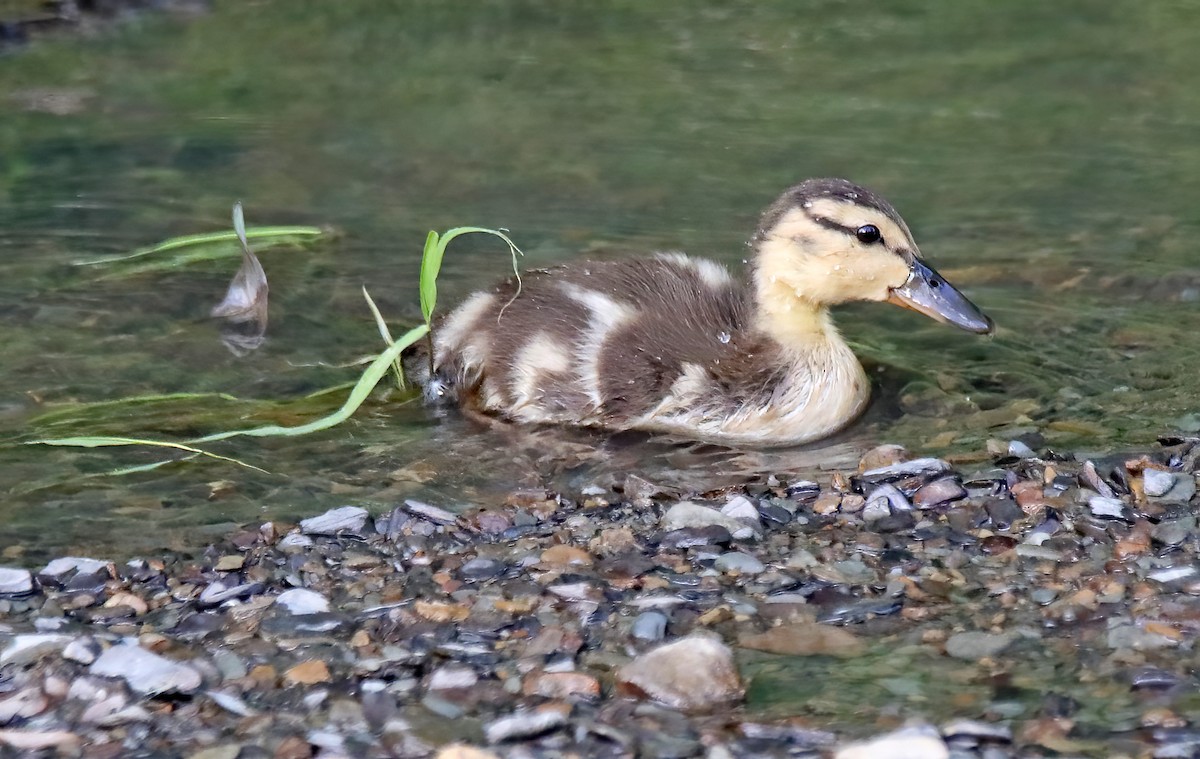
431	265
245	303
272	235
366	383
105	442
386	334
435	252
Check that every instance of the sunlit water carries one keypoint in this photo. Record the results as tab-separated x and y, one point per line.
1045	156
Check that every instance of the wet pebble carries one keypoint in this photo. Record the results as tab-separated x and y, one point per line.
25	649
146	672
1156	482
977	645
737	562
687	514
692	673
917	742
481	569
351	519
650	626
524	724
302	601
430	512
938	493
15	581
1107	507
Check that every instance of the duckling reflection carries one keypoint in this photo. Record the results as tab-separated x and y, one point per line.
675	344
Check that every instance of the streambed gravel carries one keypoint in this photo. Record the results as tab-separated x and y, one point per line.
1031	606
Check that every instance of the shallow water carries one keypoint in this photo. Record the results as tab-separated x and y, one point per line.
1044	155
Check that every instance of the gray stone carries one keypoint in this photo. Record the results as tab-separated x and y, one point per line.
650	626
430	512
219	592
1103	506
1124	633
15	581
741	563
145	672
688	514
524	724
229	665
302	601
350	519
906	469
1174	531
1182	491
1156	482
802	558
876	509
59	569
1020	450
977	645
294	541
939	492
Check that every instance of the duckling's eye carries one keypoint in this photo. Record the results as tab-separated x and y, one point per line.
868	234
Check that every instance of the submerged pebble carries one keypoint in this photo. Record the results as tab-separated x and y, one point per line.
1041	605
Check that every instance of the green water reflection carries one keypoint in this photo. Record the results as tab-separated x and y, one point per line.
1044	154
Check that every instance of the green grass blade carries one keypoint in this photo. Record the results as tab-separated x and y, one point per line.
187	241
435	252
366	383
431	265
104	442
386	334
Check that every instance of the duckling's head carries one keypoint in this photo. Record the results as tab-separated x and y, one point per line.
830	241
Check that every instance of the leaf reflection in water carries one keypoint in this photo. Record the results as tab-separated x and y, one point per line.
245	305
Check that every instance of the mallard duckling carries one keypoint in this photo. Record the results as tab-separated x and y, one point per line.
676	345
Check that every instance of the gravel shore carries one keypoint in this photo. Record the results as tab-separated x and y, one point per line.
1053	604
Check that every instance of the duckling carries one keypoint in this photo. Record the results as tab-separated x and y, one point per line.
677	345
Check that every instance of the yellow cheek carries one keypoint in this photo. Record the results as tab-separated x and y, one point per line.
861	275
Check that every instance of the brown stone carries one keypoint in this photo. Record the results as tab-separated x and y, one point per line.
440	611
804	638
565	554
308	673
561	685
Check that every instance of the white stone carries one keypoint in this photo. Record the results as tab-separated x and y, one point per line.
1170	574
452	677
60	567
15	581
917	742
146	672
693	673
1103	506
302	601
82	650
740	507
25	649
688	514
343	519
